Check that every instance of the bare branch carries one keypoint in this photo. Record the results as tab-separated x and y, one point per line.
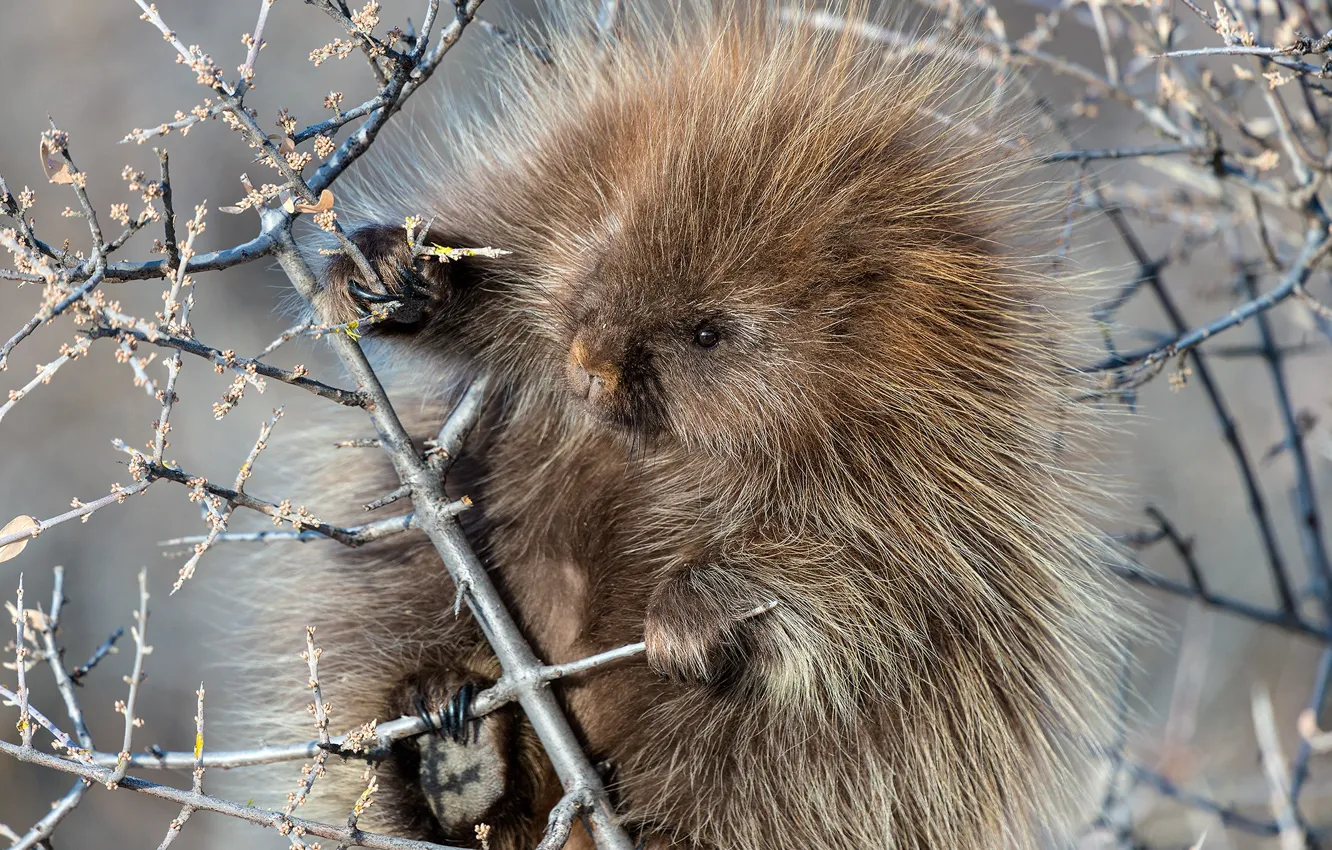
1316	246
500	694
82	511
220	516
21	653
355	535
1274	768
178	823
43	829
231	360
511	648
256	40
104	649
44	375
141	649
28	712
203	802
561	819
65	682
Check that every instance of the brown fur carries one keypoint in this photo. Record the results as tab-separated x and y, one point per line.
877	442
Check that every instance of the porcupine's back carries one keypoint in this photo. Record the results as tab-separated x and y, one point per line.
895	466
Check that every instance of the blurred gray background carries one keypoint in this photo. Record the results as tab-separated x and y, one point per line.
99	72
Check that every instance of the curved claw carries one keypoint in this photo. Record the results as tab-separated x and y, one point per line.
372	297
424	713
413	282
472	724
453	718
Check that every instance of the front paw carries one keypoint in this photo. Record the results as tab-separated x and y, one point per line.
397	286
698	626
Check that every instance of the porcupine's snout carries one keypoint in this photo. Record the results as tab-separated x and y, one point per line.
591	377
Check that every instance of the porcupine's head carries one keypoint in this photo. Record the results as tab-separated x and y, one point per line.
778	250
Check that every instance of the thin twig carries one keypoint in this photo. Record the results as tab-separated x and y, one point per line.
202	802
1120	153
220	517
230	360
1310	523
46	723
65	682
315	769
21	653
1274	768
355	535
118	495
141	649
44	375
196	784
561	818
256	40
48	626
498	695
41	831
104	649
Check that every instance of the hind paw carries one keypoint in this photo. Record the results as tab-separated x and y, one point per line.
461	769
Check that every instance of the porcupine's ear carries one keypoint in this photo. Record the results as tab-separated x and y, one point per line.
420	286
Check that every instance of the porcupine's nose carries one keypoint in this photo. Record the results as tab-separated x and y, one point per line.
592	378
589	385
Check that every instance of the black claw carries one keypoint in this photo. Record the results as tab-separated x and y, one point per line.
424	714
413	282
372	297
447	711
453	717
471	724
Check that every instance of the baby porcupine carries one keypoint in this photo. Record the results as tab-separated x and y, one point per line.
760	337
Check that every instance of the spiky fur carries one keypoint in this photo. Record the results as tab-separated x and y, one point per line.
882	447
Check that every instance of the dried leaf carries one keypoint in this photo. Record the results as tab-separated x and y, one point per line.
288	202
286	144
231	210
15	525
325	203
56	166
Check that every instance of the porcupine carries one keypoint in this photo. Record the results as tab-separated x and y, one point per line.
768	330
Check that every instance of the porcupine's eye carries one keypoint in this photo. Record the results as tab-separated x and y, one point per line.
706	336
